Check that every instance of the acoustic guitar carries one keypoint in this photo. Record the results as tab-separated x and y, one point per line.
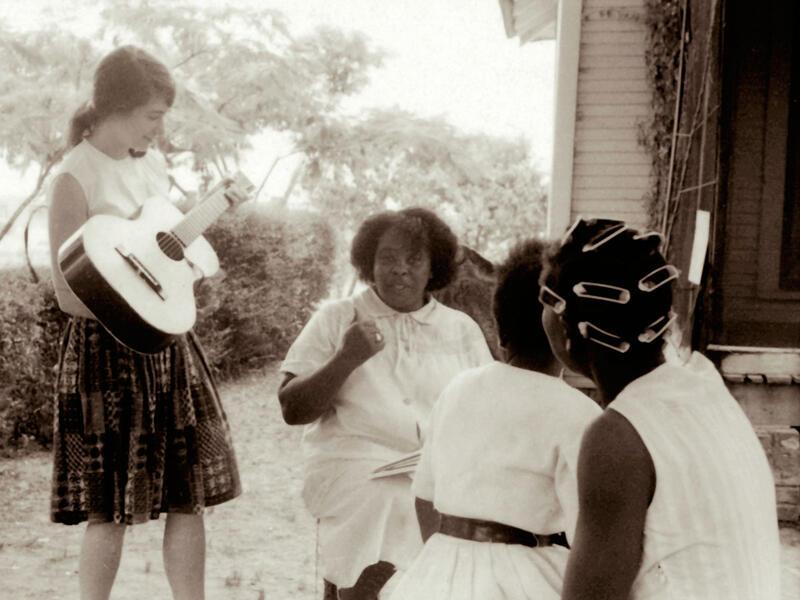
137	276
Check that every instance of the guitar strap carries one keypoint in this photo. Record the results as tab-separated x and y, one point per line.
26	242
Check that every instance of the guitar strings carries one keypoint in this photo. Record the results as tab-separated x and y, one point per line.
203	214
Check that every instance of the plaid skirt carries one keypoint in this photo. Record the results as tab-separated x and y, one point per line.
136	435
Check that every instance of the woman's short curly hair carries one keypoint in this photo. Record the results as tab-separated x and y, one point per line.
425	230
516	307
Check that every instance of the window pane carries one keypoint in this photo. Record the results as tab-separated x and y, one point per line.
790	249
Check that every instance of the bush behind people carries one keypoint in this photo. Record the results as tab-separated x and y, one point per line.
277	266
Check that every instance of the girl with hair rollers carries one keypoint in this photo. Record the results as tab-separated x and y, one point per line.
676	498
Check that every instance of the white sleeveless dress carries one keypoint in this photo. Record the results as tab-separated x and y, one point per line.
503	446
711	530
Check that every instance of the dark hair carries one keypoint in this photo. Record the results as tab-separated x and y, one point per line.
609	253
516	307
424	229
125	79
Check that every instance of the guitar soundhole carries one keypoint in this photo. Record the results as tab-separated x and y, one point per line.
170	245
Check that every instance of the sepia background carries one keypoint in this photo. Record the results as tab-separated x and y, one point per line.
335	109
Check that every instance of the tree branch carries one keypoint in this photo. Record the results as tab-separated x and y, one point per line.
44	170
190	57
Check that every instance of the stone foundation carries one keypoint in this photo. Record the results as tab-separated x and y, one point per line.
782	445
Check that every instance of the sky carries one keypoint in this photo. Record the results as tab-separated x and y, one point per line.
448	58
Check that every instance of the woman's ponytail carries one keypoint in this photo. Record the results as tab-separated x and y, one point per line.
81	124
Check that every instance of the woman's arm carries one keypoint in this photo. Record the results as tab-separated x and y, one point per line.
68	211
306	398
616	481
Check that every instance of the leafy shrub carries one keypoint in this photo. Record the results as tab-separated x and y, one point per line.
277	265
30	331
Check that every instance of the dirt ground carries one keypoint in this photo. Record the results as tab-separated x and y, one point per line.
260	546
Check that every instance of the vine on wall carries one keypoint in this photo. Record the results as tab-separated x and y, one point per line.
662	19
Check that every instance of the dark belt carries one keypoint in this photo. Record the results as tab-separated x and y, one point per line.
491	531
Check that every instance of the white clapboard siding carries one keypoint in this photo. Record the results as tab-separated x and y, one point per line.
611	158
612	172
610	182
612	133
584	170
591	61
637	84
613	49
616	74
596	22
620	98
604	110
600	123
633	37
609	146
600	195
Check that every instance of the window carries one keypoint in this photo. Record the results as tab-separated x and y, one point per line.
790	247
779	238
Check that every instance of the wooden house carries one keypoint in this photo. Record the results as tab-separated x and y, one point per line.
727	195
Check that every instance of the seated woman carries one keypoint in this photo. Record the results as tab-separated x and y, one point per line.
676	495
363	376
499	462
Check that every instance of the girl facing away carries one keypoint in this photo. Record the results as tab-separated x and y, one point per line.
676	496
499	463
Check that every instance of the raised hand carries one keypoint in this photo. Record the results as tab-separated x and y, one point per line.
361	341
305	398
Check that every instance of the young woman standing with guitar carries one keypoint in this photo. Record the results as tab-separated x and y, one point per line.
136	435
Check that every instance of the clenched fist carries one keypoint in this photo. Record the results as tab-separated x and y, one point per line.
361	341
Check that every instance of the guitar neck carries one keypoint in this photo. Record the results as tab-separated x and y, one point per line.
201	217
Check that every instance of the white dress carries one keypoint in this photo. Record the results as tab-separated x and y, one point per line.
381	413
711	530
503	446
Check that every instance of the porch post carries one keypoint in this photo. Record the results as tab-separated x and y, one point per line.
568	43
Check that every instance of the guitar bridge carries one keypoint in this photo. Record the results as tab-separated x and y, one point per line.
142	271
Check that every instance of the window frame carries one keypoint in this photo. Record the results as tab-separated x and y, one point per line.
779	178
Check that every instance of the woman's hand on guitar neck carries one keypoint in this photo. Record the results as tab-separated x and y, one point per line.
237	188
188	202
236	196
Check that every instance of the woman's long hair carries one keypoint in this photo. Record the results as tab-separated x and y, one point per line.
126	78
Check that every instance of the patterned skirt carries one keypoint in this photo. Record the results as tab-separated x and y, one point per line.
136	435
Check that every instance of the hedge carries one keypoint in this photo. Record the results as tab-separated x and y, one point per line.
276	267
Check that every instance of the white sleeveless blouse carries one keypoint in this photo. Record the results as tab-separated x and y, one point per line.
111	187
711	530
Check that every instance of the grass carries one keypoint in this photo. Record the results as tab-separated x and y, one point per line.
261	545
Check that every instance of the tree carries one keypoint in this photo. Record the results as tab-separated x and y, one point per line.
42	77
485	186
239	72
